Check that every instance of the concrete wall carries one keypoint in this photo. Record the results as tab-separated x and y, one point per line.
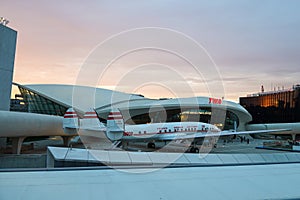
23	161
8	39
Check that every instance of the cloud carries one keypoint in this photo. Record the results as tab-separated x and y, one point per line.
252	42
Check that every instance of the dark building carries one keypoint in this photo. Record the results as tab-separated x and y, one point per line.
280	106
18	104
8	39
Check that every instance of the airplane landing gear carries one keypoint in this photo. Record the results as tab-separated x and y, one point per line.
151	145
194	150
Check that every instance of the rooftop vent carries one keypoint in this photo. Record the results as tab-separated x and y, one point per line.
3	21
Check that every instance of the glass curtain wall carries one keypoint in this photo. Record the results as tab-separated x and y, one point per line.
41	105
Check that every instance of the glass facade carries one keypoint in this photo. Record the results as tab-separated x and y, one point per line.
274	107
37	104
18	105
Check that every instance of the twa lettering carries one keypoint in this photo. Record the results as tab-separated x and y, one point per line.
215	101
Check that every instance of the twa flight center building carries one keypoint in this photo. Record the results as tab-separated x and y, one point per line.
47	103
136	109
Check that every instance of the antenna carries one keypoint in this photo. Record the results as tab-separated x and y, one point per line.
3	21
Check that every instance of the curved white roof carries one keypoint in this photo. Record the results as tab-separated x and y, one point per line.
80	97
84	97
140	105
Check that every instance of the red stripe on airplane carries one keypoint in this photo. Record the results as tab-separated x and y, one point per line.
160	133
70	113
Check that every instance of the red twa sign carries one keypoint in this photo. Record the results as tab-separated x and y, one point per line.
214	101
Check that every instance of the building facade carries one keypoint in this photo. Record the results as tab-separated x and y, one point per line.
8	38
282	106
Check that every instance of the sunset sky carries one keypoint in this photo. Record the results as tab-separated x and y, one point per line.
251	42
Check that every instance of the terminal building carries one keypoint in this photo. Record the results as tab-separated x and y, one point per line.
54	99
45	104
281	106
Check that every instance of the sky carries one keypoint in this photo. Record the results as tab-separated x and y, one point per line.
244	44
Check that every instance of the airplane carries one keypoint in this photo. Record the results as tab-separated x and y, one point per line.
117	130
89	125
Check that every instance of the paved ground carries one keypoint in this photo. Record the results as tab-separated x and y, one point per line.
238	147
234	146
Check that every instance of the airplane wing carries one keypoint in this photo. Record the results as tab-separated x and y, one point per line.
198	135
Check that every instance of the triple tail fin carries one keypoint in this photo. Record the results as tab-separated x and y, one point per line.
91	121
115	125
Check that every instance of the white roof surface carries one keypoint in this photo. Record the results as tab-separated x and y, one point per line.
81	97
279	181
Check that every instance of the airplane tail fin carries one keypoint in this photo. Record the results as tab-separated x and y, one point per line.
115	125
90	120
70	121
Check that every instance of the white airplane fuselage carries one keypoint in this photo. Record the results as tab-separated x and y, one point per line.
154	131
160	130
